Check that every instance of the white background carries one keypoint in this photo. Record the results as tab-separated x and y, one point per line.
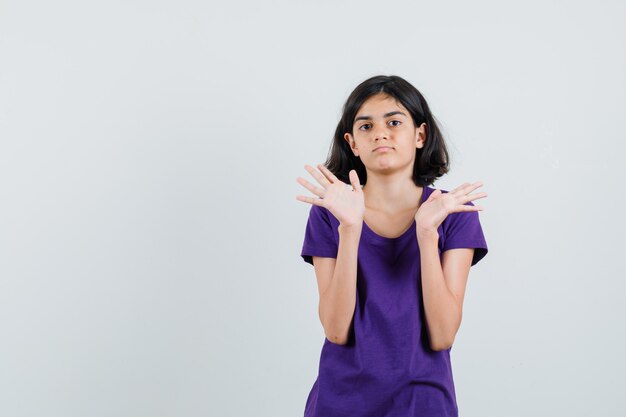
149	232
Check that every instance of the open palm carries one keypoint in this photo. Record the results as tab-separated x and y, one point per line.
346	204
439	205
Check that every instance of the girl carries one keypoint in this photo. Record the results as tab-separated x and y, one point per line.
391	258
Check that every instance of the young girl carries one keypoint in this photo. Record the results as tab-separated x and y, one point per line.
391	257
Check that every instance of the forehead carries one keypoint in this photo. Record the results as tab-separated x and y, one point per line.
379	104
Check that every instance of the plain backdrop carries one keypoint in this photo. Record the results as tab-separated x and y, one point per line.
149	233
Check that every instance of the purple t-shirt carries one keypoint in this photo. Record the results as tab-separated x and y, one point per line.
387	368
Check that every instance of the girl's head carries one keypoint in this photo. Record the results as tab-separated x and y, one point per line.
388	111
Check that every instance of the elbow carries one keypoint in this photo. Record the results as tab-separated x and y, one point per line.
443	341
338	336
438	346
337	340
336	331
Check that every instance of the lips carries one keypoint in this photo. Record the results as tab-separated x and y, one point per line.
383	148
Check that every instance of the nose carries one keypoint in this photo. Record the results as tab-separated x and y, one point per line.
380	132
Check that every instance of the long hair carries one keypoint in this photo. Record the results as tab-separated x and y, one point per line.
431	161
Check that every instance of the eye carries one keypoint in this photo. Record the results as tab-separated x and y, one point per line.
392	121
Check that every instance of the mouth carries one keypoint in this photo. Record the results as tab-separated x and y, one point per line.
383	149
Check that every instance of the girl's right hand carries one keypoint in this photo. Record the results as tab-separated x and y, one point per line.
347	205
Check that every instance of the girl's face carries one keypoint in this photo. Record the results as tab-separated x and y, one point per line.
384	137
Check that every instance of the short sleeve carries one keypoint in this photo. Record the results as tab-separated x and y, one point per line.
463	230
319	236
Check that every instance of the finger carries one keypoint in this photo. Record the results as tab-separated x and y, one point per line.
318	176
354	180
472	197
460	187
327	173
312	188
310	200
471	187
463	208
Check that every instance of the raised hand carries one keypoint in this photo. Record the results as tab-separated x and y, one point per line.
345	203
436	208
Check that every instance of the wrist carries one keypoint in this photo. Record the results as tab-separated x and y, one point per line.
350	228
427	234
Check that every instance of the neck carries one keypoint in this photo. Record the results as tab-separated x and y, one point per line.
391	193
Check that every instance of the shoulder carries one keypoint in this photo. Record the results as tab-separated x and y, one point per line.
320	218
322	213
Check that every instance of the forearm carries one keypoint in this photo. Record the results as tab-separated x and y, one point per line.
338	302
443	314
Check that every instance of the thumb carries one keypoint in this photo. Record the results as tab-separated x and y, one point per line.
354	180
434	195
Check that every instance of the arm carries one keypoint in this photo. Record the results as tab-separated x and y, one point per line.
337	285
443	289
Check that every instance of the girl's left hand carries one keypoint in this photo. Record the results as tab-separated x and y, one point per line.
433	211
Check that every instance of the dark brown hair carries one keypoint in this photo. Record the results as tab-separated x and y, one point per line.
431	161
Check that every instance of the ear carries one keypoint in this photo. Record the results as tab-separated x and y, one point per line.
420	135
350	139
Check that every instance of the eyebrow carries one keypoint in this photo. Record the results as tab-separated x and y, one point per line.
391	113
